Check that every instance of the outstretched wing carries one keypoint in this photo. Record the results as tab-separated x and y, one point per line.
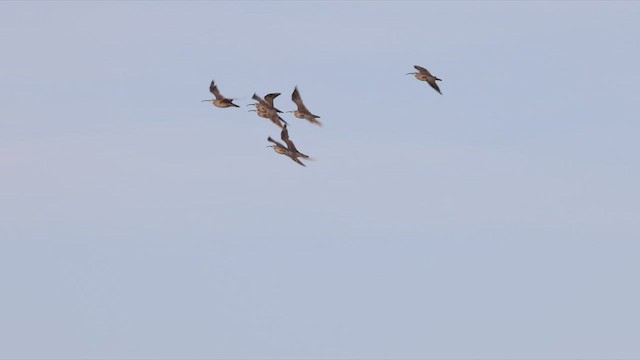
298	161
259	99
214	90
229	101
434	85
284	135
269	98
278	144
295	96
265	103
276	119
422	70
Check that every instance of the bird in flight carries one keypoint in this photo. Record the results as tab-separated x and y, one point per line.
265	109
288	150
303	112
219	100
424	75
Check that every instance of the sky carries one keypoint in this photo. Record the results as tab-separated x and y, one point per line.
499	220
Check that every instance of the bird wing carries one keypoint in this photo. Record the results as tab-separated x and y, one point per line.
229	101
214	90
269	98
422	70
264	103
291	146
276	142
259	99
298	161
276	119
434	85
295	96
284	135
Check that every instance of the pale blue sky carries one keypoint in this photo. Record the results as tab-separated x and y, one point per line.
499	220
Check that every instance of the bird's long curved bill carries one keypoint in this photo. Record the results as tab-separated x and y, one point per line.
205	100
409	73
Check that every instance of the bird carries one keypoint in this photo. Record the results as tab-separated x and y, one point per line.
266	110
424	75
303	112
219	100
288	150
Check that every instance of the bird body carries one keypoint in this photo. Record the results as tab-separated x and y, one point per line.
424	75
302	112
219	100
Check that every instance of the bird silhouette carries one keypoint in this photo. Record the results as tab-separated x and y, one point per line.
290	149
424	75
303	112
219	100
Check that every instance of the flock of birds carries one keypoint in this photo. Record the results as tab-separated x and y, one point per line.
265	109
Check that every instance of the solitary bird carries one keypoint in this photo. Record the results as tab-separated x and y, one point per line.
219	100
266	110
289	150
424	75
303	112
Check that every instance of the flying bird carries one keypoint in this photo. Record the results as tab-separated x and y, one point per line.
265	108
219	100
303	112
288	150
424	75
